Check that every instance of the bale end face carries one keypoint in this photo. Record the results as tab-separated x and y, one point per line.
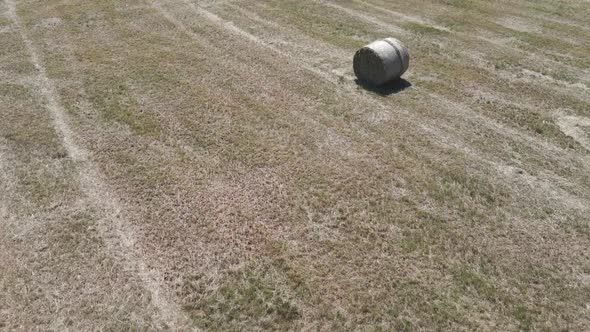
369	66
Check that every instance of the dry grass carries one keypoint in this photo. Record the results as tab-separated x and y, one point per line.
271	192
55	271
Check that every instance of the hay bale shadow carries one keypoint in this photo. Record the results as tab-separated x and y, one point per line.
387	89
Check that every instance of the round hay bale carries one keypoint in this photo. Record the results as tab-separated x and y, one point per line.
381	61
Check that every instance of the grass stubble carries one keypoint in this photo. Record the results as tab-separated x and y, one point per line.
270	192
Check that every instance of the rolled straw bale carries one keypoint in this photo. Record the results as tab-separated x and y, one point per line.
381	61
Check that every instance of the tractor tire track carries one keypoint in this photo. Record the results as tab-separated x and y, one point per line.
118	234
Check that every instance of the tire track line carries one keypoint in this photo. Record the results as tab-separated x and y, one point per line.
118	234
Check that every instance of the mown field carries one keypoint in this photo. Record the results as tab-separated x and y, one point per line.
212	165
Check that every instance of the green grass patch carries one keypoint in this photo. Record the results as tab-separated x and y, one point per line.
464	4
557	8
469	281
26	125
13	55
523	317
46	185
458	185
114	102
248	296
420	28
320	22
